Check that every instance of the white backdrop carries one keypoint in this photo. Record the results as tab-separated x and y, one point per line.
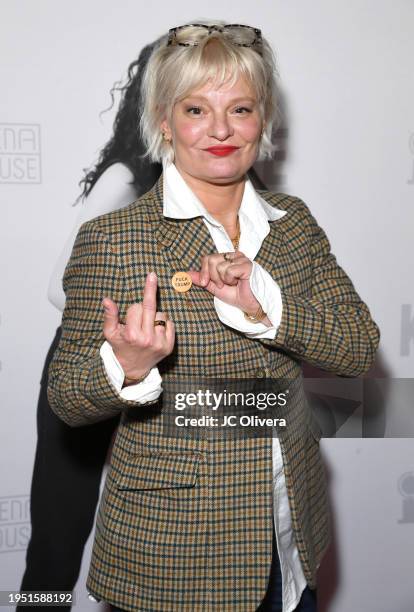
347	75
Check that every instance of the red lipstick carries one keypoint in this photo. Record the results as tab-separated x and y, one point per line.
221	150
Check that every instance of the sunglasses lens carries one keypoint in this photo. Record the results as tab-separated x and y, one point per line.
190	35
241	35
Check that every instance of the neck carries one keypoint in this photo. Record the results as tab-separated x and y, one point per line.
222	201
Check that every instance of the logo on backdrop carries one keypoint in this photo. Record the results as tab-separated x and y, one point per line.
411	147
407	329
14	523
20	153
406	489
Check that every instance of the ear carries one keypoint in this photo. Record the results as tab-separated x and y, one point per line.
165	129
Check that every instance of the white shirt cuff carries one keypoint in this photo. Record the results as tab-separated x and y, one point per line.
267	292
146	391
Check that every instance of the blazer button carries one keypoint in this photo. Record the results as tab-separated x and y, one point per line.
261	373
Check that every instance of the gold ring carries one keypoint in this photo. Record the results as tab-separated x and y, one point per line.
159	322
226	257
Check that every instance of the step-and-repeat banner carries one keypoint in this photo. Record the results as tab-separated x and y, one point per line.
346	147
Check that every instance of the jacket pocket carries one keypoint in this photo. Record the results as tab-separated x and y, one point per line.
159	471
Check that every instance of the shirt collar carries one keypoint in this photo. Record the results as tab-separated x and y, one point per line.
179	201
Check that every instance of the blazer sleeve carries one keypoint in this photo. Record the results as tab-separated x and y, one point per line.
79	390
331	329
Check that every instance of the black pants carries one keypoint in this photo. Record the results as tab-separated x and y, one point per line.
64	494
272	601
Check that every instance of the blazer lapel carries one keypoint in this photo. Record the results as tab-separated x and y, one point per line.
267	256
183	241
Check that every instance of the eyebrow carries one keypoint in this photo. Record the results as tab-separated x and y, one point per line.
243	98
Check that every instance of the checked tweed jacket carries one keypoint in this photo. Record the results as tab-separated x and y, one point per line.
186	524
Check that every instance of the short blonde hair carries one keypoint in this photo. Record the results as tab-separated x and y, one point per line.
174	71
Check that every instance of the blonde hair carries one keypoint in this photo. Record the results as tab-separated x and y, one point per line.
174	71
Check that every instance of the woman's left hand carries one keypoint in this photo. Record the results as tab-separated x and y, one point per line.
227	280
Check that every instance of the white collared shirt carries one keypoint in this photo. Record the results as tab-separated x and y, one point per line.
179	202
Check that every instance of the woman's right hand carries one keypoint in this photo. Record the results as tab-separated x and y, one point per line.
138	344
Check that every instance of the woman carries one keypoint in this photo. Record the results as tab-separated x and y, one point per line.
73	459
204	276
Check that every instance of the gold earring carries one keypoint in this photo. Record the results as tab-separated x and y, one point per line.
166	138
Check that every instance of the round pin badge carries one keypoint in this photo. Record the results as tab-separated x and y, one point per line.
181	281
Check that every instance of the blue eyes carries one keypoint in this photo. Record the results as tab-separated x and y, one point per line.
240	110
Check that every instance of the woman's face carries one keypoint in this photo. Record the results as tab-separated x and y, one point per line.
216	132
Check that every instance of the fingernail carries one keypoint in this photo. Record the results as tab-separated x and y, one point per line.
152	276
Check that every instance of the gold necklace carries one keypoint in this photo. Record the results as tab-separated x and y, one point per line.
236	239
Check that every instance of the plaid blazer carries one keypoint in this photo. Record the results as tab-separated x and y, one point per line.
186	524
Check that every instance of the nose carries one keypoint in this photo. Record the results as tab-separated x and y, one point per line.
220	127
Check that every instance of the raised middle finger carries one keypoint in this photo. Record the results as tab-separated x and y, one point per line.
149	303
